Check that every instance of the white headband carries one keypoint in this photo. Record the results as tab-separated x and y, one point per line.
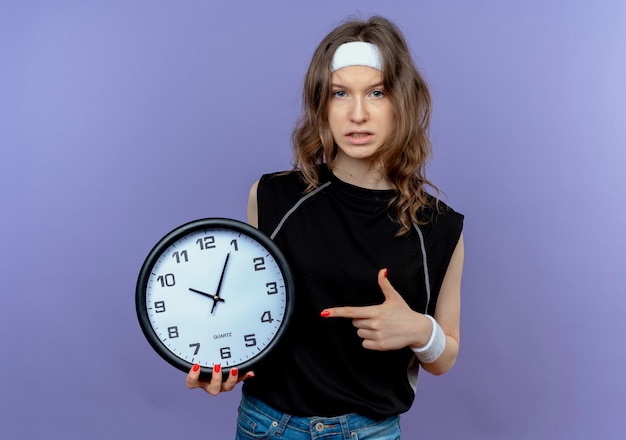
357	53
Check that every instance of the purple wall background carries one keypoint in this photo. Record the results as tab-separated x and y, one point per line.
120	120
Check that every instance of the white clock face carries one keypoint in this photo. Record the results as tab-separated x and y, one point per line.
214	296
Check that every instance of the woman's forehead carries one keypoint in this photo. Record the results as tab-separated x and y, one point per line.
357	75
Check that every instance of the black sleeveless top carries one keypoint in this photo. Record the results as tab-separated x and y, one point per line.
336	239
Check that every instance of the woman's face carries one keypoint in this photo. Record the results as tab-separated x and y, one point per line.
360	114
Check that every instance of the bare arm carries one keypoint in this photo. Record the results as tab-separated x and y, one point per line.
448	312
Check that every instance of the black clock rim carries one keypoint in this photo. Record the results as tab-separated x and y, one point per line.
176	234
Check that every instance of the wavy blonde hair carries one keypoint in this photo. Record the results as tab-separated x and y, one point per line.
403	157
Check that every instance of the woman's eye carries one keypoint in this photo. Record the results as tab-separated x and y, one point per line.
339	93
378	94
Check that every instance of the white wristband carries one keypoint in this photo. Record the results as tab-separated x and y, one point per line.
435	346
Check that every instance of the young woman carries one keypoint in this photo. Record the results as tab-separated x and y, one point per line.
377	260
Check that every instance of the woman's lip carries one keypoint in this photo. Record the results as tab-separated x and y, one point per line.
359	137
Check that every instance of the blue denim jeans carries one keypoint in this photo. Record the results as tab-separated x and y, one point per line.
258	420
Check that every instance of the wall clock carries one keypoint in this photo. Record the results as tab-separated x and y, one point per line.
214	291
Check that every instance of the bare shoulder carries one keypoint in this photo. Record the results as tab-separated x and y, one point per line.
253	214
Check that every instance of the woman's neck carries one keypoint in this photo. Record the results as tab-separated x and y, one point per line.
360	173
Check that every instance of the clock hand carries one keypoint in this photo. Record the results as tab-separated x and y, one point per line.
219	285
206	294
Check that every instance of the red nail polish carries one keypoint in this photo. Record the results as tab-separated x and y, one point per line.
196	367
385	273
216	368
233	372
325	313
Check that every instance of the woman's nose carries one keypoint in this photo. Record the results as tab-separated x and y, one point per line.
358	111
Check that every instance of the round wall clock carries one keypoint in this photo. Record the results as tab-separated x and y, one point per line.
214	291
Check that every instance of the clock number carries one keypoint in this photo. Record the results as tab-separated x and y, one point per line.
271	288
172	332
180	256
234	244
267	317
159	306
225	353
250	340
206	242
167	280
197	346
259	263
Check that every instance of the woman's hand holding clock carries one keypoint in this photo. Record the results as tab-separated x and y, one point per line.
216	385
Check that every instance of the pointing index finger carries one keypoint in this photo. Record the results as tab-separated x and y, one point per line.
347	312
